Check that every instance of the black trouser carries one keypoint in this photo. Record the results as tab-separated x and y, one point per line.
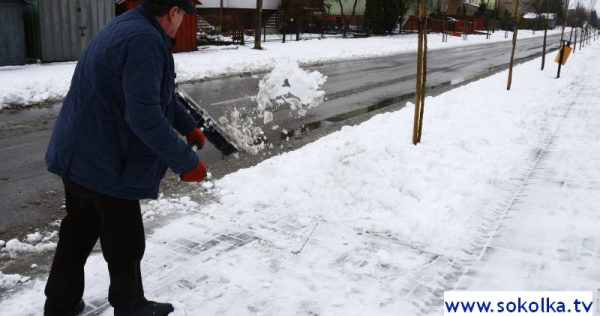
118	224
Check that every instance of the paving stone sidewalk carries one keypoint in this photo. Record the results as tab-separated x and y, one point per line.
548	238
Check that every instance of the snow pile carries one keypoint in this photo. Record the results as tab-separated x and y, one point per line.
163	206
32	84
14	247
287	84
371	178
11	279
33	238
36	242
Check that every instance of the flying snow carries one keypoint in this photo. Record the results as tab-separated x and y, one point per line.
287	84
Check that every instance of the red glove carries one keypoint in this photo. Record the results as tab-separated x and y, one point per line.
196	175
195	137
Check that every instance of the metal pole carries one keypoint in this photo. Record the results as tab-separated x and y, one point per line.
560	60
221	17
258	24
322	24
297	29
575	46
285	22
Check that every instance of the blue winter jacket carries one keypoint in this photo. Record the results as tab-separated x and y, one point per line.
115	131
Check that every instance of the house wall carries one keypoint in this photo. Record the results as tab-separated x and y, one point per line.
525	6
336	9
247	17
68	25
239	4
185	38
12	45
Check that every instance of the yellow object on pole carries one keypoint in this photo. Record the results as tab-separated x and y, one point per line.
567	51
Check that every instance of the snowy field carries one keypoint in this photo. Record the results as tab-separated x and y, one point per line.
361	222
33	84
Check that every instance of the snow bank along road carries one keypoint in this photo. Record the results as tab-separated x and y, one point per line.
30	197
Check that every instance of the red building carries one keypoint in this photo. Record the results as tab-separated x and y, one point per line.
185	39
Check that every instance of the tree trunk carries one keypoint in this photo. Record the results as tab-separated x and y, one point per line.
258	25
343	17
419	73
423	89
514	43
544	46
512	57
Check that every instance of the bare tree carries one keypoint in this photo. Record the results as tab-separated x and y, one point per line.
545	32
516	9
537	5
346	19
564	25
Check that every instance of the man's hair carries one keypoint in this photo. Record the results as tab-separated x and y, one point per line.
157	9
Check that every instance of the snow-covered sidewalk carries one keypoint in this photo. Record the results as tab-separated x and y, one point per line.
499	195
33	84
548	238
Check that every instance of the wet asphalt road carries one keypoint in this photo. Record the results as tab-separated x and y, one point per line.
30	197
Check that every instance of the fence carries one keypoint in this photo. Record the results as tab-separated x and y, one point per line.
225	30
452	25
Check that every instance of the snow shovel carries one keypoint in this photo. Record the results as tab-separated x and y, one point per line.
209	127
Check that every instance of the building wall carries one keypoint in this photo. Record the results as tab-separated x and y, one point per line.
239	4
336	9
237	17
525	6
12	45
185	39
432	5
68	25
33	38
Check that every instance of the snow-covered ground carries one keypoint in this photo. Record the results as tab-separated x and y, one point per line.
500	195
32	84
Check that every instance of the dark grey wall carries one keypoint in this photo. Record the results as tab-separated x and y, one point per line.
68	25
12	33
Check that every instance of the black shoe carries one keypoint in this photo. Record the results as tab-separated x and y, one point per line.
150	309
52	311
